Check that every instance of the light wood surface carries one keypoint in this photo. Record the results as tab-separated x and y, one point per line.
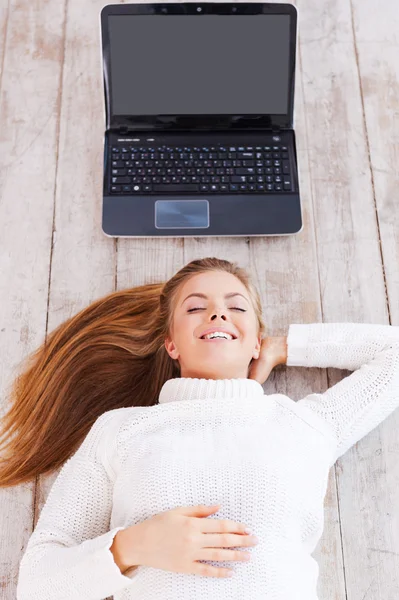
342	266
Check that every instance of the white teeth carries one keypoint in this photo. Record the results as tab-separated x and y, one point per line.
218	334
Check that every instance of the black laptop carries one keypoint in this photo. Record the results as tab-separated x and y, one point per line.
199	103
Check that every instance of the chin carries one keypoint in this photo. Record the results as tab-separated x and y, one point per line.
221	374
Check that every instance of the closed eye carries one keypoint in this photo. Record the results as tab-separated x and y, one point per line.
233	308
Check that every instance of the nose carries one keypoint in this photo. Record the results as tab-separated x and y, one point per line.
215	317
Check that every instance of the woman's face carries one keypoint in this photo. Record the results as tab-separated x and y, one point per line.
219	301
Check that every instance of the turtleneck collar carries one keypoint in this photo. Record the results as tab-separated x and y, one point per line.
187	388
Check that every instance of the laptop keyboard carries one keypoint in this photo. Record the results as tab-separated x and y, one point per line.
216	169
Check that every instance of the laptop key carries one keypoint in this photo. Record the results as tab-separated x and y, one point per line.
172	188
248	171
115	188
286	167
121	180
245	155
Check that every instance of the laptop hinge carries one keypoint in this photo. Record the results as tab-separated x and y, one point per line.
123	130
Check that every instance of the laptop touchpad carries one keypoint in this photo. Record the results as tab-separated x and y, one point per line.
183	214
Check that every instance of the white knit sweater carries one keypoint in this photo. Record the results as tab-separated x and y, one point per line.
265	459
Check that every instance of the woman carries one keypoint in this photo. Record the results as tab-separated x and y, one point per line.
172	449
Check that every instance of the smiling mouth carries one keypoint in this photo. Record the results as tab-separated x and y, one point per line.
217	339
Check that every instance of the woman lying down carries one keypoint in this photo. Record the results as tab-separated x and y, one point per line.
182	479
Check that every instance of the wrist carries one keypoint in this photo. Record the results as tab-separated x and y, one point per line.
122	549
281	350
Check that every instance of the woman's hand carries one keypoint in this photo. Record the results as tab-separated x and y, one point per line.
273	352
177	539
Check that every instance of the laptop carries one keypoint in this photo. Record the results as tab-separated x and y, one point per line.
199	138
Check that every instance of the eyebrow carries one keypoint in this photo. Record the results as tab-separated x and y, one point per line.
199	295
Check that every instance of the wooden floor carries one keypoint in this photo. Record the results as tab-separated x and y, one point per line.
343	265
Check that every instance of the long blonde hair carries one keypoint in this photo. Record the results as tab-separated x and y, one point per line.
110	355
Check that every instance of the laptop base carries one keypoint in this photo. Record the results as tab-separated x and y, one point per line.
208	216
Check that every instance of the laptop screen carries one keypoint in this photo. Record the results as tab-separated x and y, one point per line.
192	65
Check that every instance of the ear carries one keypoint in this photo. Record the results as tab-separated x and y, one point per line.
256	352
171	349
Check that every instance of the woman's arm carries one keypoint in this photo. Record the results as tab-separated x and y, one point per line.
361	401
337	345
68	554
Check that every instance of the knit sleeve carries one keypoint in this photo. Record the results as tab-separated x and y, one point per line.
68	554
360	402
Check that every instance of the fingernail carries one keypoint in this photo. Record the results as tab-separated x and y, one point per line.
248	530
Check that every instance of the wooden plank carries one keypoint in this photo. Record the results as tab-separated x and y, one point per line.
370	494
349	260
4	15
143	261
376	48
226	248
82	255
29	112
